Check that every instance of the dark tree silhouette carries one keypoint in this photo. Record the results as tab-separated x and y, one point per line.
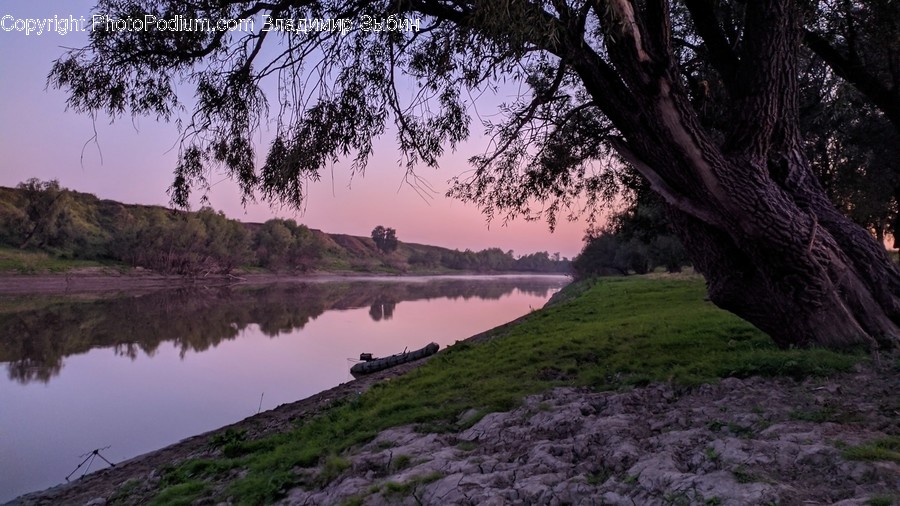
385	239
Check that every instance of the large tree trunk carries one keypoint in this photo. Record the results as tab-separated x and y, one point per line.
753	217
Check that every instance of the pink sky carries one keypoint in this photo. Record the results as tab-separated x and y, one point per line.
38	138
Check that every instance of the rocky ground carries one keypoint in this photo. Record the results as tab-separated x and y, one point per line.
754	441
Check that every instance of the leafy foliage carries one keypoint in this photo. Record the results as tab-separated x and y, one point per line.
385	239
72	225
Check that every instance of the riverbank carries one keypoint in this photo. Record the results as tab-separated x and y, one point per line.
105	279
614	391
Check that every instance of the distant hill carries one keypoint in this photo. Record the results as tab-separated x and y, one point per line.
42	217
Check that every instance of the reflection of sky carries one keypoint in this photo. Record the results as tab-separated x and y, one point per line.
133	160
135	406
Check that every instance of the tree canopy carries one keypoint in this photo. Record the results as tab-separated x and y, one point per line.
701	98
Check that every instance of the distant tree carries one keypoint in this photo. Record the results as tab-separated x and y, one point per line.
599	257
272	243
378	234
390	240
227	241
285	244
46	212
385	239
666	250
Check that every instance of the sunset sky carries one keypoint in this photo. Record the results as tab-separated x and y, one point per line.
132	160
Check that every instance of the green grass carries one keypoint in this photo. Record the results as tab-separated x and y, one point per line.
884	500
612	334
32	262
886	449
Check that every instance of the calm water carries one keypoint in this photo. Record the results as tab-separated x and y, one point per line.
130	374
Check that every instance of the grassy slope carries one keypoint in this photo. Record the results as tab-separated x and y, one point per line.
610	334
31	262
95	218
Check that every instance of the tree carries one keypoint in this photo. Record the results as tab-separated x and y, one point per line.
385	239
854	150
860	42
46	212
272	243
599	257
699	97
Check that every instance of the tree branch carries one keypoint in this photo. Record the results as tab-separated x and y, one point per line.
721	55
660	186
855	72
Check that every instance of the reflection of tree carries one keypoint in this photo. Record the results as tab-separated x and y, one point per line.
382	308
34	342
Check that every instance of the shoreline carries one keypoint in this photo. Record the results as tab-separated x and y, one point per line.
106	280
104	482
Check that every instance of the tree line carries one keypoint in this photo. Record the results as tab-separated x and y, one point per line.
42	215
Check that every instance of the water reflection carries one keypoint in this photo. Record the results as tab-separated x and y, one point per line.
38	333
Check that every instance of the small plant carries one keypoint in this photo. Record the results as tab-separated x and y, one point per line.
815	416
400	462
394	488
598	477
886	448
712	454
743	475
466	446
883	500
740	430
384	445
332	468
353	501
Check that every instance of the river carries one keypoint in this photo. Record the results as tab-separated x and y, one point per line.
127	373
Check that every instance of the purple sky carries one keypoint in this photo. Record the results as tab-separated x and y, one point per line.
132	160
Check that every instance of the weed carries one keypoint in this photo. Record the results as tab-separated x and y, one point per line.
815	416
400	462
598	477
384	445
123	492
355	500
740	430
743	475
886	448
332	468
466	446
182	494
394	488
